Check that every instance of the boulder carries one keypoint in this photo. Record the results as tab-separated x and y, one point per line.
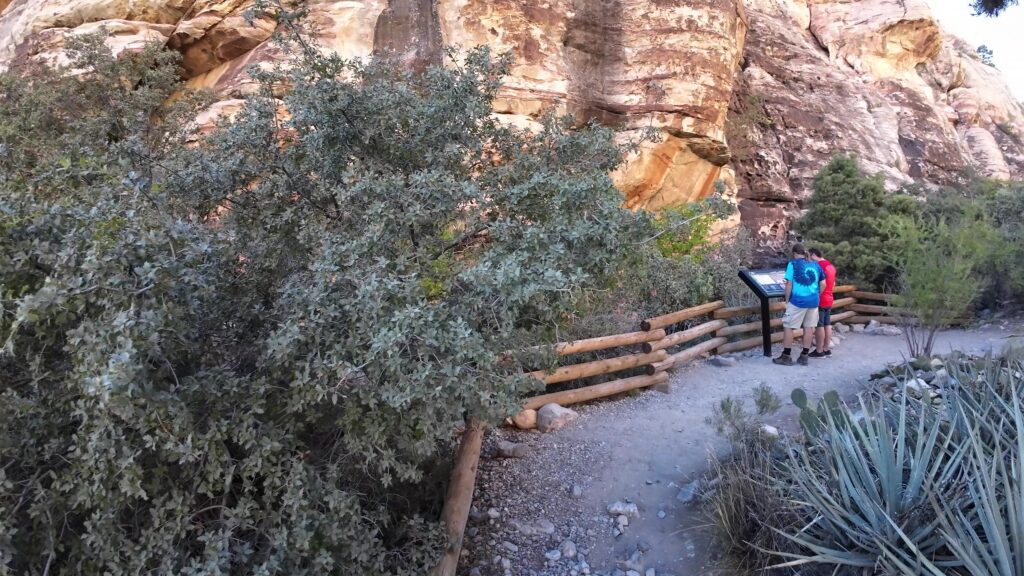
525	419
553	417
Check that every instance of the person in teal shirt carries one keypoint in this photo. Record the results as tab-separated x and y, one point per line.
805	281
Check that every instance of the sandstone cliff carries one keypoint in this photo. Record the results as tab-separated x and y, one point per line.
877	78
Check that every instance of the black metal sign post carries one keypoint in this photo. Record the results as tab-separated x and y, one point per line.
767	283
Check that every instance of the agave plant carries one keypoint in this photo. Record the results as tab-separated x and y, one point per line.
986	530
865	484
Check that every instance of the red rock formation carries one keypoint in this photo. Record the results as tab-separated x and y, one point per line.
876	78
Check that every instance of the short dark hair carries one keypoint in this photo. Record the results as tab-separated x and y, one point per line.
799	250
816	252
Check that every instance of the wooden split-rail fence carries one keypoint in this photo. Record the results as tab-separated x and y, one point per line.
652	350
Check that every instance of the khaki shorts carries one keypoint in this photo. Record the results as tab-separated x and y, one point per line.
799	317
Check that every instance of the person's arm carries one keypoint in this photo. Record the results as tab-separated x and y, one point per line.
821	287
789	280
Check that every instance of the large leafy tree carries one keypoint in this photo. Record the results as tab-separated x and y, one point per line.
243	355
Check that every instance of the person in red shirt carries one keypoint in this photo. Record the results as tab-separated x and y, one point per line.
823	333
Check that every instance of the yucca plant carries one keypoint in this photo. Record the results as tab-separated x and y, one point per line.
864	485
985	531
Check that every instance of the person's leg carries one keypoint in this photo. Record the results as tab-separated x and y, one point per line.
821	333
792	319
828	339
809	323
819	340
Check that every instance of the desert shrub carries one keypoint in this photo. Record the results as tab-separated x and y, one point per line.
248	355
846	218
940	274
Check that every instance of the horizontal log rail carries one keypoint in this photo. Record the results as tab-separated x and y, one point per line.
606	342
684	336
875	296
598	367
748	343
691	354
602	390
843	316
900	320
723	313
843	289
872	309
754	326
680	316
843	302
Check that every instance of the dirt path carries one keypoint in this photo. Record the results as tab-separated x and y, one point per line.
642	448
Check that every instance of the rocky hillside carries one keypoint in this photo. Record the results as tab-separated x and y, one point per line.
790	82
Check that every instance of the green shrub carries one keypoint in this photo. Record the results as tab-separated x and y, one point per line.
846	218
247	356
940	274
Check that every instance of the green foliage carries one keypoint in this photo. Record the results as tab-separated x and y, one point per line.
813	418
247	355
766	400
991	7
902	485
940	273
747	117
985	54
846	217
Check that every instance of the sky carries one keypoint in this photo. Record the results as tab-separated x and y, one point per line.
1004	35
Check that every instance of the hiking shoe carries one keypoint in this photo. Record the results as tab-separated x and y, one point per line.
784	360
828	353
817	354
802	360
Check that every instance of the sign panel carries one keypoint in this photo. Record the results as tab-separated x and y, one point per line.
768	283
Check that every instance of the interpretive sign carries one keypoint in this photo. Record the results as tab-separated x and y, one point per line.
767	283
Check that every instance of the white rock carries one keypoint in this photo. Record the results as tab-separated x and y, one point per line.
493	513
508	449
510	546
841	328
857	328
649	572
552	417
723	361
622	520
538	528
621	508
917	387
769	430
525	419
568	549
553	555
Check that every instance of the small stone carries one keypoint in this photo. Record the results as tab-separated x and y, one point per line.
553	555
577	491
476	515
621	508
616	532
873	324
474	572
689	492
538	528
769	431
937	363
662	514
649	572
941	378
887	382
842	328
525	419
632	573
568	549
858	328
723	361
622	520
643	547
508	449
916	387
493	513
510	546
926	376
506	564
552	417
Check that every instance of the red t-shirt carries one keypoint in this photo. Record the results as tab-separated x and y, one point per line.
827	299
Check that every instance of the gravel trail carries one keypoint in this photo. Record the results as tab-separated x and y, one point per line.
546	513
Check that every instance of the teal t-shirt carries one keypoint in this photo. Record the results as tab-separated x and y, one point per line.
805	276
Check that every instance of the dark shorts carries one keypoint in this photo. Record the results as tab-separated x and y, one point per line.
824	317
